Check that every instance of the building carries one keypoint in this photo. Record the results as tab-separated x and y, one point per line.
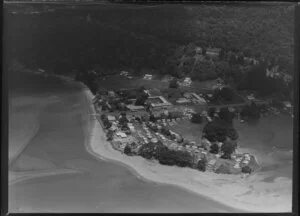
183	100
273	72
220	80
111	118
287	104
201	100
132	107
41	70
198	50
211	165
148	76
124	73
287	78
188	95
111	94
205	143
218	86
251	97
213	52
121	134
249	60
187	81
163	102
176	114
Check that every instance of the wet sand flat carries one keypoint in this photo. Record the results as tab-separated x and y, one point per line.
95	185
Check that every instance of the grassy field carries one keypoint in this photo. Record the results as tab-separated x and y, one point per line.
190	131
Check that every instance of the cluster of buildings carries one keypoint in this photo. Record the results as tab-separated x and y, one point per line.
140	129
144	132
191	97
276	74
125	74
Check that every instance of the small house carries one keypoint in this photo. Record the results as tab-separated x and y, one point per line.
198	50
249	60
132	107
201	100
183	100
287	104
121	134
187	81
113	128
209	119
111	94
220	80
111	118
124	73
41	70
188	95
148	76
206	143
211	164
213	52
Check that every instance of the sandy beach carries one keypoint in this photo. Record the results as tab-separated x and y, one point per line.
250	194
55	173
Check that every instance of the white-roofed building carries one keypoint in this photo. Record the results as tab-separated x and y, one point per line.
132	107
183	100
148	76
111	118
187	81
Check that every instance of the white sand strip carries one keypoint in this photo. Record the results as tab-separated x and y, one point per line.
246	194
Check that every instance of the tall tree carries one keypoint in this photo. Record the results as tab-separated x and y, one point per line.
227	149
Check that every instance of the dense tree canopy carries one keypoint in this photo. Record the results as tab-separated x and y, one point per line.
226	115
228	148
140	101
219	130
64	40
197	118
173	84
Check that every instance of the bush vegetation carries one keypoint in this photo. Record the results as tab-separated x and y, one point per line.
219	130
66	40
201	165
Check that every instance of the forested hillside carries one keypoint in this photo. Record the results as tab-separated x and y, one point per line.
128	36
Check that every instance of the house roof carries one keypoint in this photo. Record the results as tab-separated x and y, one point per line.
212	162
213	50
287	104
182	100
111	118
133	107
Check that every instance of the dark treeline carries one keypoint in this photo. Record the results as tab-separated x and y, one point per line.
117	36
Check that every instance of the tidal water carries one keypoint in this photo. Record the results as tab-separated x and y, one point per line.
99	186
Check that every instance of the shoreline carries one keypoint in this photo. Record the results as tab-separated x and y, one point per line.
232	191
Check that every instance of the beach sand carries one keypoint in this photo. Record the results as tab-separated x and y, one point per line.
250	194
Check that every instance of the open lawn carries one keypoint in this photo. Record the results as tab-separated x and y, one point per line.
117	82
188	130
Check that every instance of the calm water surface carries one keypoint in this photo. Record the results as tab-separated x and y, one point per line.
100	186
